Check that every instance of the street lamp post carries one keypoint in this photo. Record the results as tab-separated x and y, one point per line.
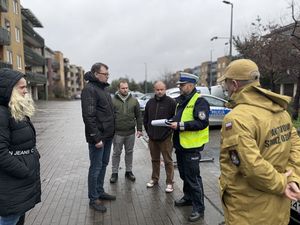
210	71
231	21
217	37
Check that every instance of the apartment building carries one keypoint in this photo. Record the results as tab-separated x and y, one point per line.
11	42
34	58
73	79
211	71
222	63
55	73
208	73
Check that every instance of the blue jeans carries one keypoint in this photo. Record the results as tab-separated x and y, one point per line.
189	171
10	220
99	159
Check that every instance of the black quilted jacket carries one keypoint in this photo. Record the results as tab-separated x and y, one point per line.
20	186
97	111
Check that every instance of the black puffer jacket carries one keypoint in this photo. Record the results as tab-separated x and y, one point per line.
97	110
158	108
20	186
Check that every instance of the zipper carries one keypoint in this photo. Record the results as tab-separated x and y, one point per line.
156	110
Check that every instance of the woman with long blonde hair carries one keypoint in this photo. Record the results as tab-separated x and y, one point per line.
20	186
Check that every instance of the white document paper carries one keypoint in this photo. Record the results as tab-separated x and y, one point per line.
161	123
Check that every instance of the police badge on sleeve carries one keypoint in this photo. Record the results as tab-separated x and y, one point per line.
202	115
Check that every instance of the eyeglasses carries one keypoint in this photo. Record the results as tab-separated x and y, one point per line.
105	74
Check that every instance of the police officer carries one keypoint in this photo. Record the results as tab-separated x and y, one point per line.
190	135
260	151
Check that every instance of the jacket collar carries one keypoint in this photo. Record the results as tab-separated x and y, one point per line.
253	94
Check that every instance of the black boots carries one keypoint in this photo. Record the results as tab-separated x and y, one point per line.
114	178
129	175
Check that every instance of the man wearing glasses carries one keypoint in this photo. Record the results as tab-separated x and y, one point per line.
190	135
98	117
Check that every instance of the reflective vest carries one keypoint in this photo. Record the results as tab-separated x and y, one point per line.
192	139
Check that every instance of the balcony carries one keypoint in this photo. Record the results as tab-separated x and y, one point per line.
32	37
66	68
5	65
4	36
32	58
55	65
3	6
36	78
56	77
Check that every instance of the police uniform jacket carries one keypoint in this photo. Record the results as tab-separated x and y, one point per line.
97	110
200	122
258	145
20	185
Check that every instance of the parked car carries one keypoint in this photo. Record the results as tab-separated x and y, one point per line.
218	91
295	213
217	109
77	96
143	100
136	94
217	106
174	92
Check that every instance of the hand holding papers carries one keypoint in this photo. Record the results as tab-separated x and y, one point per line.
161	123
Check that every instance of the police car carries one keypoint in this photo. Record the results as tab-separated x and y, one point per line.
217	105
217	109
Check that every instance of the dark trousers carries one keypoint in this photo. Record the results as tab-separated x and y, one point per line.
189	171
99	159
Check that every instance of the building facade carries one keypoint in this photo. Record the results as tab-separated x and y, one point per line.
11	41
74	80
35	63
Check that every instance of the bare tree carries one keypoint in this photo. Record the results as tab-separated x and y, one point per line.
296	43
169	78
268	49
273	48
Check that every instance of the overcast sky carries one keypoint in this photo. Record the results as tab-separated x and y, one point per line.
165	35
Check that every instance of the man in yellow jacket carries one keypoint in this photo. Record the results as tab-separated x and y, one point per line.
260	151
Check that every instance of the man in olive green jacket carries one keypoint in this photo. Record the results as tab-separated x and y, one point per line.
260	151
128	119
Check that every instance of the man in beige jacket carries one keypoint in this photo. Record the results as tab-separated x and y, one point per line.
260	151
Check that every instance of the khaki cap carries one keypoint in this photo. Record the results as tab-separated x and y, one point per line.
241	69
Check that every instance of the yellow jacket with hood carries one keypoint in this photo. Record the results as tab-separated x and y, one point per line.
258	145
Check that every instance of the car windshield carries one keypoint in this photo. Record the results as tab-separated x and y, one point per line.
214	101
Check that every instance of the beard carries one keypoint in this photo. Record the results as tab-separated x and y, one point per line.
21	106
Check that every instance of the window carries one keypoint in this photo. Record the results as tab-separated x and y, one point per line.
15	7
9	57
214	101
7	24
19	62
17	30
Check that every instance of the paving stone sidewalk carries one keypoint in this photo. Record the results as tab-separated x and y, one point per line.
64	169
